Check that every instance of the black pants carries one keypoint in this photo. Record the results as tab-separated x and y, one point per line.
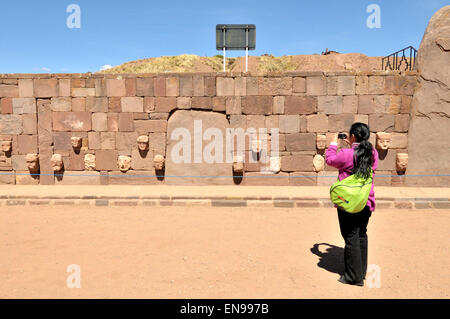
354	231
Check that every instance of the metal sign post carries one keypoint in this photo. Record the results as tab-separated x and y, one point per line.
235	37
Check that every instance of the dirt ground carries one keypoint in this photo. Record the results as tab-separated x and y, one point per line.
200	252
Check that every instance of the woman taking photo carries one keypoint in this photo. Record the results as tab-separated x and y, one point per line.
355	160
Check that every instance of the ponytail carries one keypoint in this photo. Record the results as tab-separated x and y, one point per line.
362	158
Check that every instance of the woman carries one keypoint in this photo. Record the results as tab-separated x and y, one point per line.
355	160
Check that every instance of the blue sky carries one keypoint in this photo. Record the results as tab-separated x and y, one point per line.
34	37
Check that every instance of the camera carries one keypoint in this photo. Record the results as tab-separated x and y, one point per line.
342	136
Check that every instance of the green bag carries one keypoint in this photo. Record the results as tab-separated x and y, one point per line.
351	194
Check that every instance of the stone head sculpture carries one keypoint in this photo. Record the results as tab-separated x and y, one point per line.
124	163
321	141
6	146
275	164
383	140
158	162
57	162
32	162
238	163
89	162
401	162
318	163
76	142
142	142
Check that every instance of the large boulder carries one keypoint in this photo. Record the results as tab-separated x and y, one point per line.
428	141
198	168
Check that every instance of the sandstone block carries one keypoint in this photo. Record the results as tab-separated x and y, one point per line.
157	143
99	122
27	144
317	123
381	122
165	104
331	85
108	140
186	86
350	104
240	86
219	103
145	86
150	126
46	87
346	85
362	85
372	104
233	105
24	105
61	104
83	92
11	124
340	122
376	84
106	160
172	86
125	141
297	163
115	87
96	104
198	85
330	104
289	123
303	179
225	86
275	85
132	104
6	105
71	121
26	88
202	102
300	142
29	123
160	86
278	105
316	85
252	85
300	105
401	123
126	122
299	84
210	85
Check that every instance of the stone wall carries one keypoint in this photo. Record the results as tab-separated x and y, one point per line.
40	114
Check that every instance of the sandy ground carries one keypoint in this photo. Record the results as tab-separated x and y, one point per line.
199	252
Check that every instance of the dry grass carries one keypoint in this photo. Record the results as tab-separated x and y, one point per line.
269	63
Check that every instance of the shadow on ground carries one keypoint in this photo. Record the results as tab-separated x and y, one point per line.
332	259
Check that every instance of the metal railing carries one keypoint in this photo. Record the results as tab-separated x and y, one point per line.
402	60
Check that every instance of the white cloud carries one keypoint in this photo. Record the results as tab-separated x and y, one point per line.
43	69
105	67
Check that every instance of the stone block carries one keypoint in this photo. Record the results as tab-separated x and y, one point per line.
261	179
100	87
289	123
71	121
326	178
201	102
362	118
83	92
24	105
8	179
61	104
106	160
331	85
113	122
382	178
186	86
99	122
141	160
26	88
225	86
381	122
131	177
27	144
297	163
149	104
272	122
256	122
376	84
238	121
240	86
97	104
6	105
406	104
340	122
29	123
233	105
64	87
132	104
172	86
399	141
362	85
130	87
115	87
108	140
94	141
252	85
165	104
198	85
275	85
157	143
303	179
11	124
79	104
46	88
316	85
126	122
210	85
7	90
317	123
159	116
160	86
350	104
346	85
300	142
299	85
386	160
330	104
145	86
45	136
24	178
372	104
219	103
401	122
278	105
61	141
125	141
300	105
150	126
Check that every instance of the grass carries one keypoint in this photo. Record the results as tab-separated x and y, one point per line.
269	63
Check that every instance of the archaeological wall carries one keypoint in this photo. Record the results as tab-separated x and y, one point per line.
107	114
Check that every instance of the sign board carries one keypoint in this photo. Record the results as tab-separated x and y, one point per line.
235	36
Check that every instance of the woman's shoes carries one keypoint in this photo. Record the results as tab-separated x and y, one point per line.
345	281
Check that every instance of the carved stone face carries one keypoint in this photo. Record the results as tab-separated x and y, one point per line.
401	162
383	140
238	163
6	146
318	163
76	142
124	163
142	142
89	162
321	141
275	164
256	146
32	162
57	162
158	162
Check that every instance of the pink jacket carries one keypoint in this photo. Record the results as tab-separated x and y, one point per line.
343	161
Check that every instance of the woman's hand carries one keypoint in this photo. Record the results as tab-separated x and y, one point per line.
334	138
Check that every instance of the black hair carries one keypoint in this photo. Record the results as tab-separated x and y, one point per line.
362	158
